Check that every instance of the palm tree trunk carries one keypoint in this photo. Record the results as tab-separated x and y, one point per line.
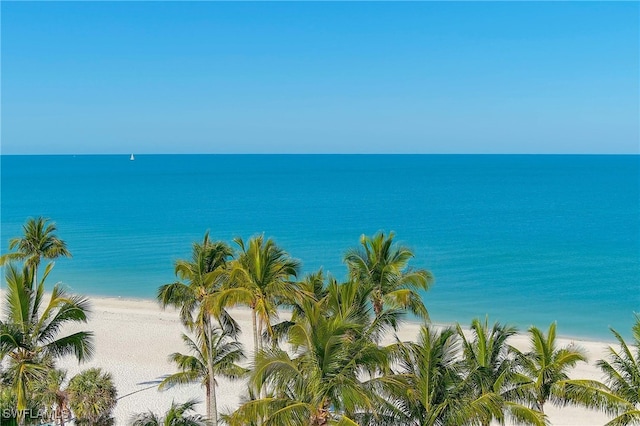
36	265
213	403
258	343
377	303
212	410
208	403
255	331
322	417
58	415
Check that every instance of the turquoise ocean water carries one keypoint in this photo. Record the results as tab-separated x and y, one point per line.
524	239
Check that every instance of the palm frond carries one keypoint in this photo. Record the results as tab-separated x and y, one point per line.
79	344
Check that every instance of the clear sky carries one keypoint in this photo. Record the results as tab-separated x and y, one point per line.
334	77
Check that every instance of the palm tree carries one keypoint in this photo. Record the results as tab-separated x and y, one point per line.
431	390
51	393
383	268
210	359
260	278
319	381
29	334
622	372
201	276
489	369
92	397
547	367
39	241
176	416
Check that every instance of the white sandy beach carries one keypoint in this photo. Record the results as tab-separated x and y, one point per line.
133	339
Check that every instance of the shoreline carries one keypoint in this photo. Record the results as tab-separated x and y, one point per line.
134	337
587	339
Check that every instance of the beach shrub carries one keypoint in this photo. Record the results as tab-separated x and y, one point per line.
92	397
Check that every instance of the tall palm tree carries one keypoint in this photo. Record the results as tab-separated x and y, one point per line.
320	381
175	416
489	369
260	278
210	359
39	241
547	367
92	397
383	267
29	335
622	372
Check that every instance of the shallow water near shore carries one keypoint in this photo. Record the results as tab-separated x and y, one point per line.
523	239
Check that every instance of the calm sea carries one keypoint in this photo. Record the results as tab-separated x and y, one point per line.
523	239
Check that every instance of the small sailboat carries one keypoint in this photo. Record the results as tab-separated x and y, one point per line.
132	157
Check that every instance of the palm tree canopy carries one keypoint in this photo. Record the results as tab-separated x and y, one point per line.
431	389
384	267
225	354
92	396
262	267
38	241
486	356
39	333
213	355
260	278
201	276
175	416
622	375
489	369
547	368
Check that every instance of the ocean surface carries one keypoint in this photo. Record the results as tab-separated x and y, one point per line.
526	240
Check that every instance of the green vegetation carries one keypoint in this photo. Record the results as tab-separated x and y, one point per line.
383	268
213	354
321	383
92	397
175	416
260	279
30	334
547	367
39	241
29	338
335	361
622	372
212	358
433	390
491	373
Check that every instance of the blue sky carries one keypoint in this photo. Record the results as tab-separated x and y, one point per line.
327	77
